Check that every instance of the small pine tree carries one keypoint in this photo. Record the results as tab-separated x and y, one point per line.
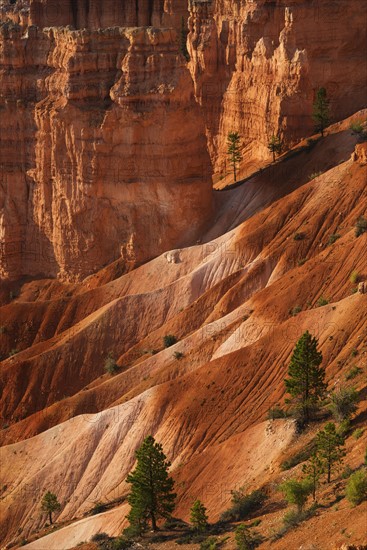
296	492
183	40
321	111
275	146
233	151
245	539
330	448
152	495
198	516
306	378
50	504
313	470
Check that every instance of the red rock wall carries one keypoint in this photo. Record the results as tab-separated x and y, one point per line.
256	66
105	152
93	14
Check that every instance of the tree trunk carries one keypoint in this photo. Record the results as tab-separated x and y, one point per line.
154	523
50	517
234	172
328	472
273	155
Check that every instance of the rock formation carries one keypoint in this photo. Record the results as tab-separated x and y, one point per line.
107	143
257	65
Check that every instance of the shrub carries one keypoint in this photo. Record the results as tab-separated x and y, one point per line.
354	352
358	433
243	505
356	127
333	237
169	340
354	277
293	518
299	236
322	302
211	543
245	539
343	403
110	366
99	536
314	175
294	311
296	492
353	373
276	412
356	491
360	226
12	352
301	262
344	428
2	330
303	455
98	508
347	472
178	355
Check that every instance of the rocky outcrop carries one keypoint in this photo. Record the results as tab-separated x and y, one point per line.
257	64
106	144
94	14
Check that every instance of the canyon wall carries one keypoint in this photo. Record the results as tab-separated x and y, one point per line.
105	131
257	64
102	140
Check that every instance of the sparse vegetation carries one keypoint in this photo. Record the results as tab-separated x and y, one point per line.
330	448
297	491
302	455
354	352
314	175
198	517
358	433
110	365
234	152
275	146
243	504
333	238
321	111
322	302
246	539
276	412
354	277
169	340
306	384
2	329
211	543
178	355
360	226
13	351
358	129
356	491
50	504
353	372
98	508
299	236
301	262
343	403
295	310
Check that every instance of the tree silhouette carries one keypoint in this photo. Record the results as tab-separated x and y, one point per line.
233	151
50	504
321	111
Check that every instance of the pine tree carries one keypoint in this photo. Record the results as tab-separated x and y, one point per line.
198	516
306	378
183	40
275	146
233	151
313	470
321	111
330	447
151	495
246	539
50	504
